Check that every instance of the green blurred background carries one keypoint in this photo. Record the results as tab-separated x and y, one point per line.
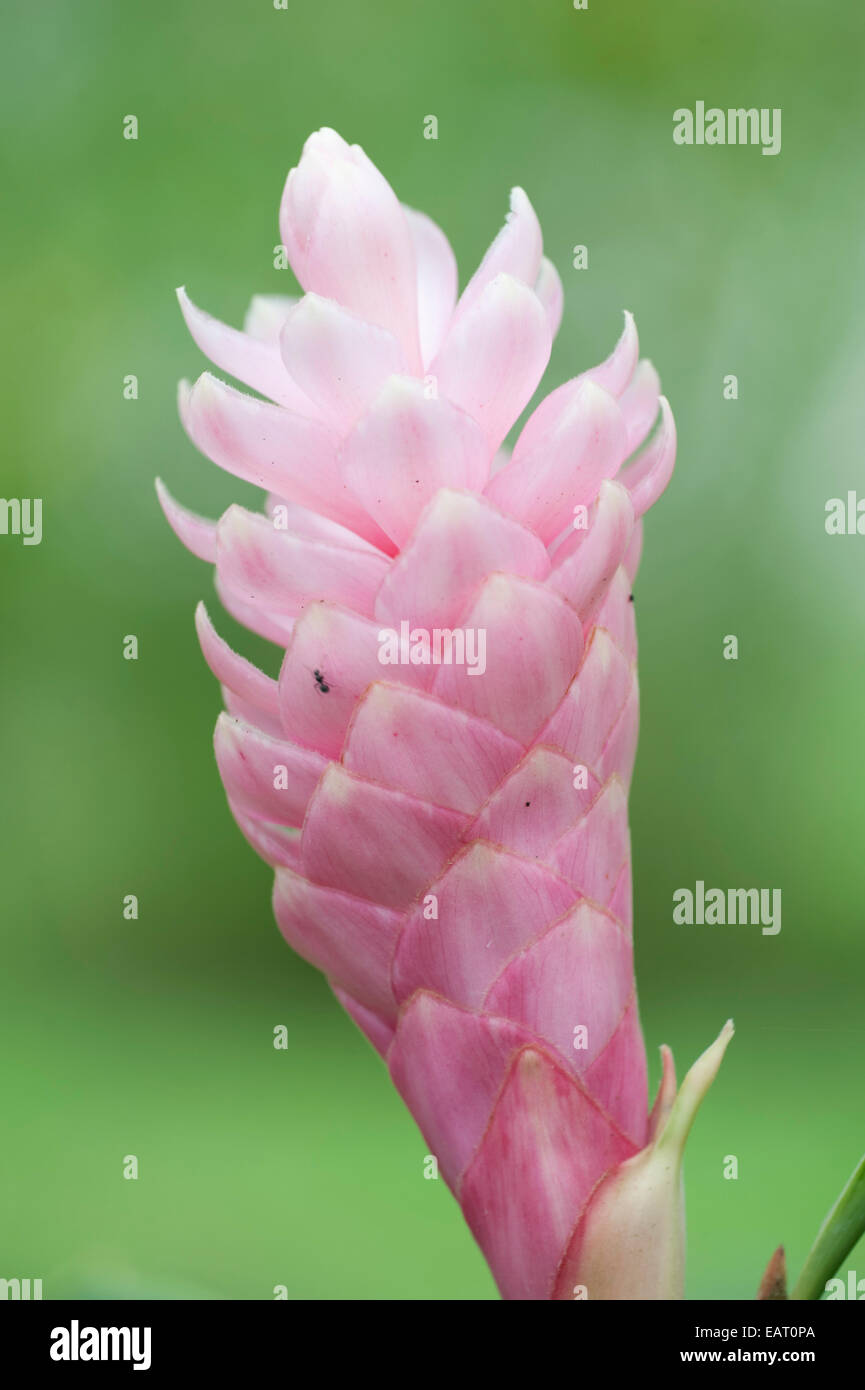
300	1167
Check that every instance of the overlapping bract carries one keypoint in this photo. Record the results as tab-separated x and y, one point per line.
451	848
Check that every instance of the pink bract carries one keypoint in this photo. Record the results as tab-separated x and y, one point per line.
451	844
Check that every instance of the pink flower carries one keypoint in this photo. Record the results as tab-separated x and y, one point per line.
440	775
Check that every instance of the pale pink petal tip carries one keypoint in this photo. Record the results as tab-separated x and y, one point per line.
615	373
548	288
649	474
196	532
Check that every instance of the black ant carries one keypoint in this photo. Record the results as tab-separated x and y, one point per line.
321	682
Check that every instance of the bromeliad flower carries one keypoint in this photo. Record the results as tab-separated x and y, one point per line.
440	775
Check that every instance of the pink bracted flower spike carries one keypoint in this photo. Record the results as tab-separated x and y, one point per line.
440	775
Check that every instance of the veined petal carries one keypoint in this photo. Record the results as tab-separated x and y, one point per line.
333	648
348	938
487	904
376	1029
286	572
588	559
266	315
409	740
615	373
258	617
650	472
527	643
436	280
233	670
548	288
254	362
275	844
554	470
620	749
404	449
616	614
268	778
639	403
459	540
536	803
631	562
303	521
196	532
348	238
338	359
494	356
570	986
516	251
621	905
448	1065
348	821
618	1077
247	713
544	1149
284	453
591	855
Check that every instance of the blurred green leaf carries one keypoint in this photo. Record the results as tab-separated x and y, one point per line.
842	1228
